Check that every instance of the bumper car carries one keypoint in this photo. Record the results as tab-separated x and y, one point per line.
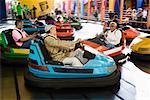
75	23
30	28
115	53
130	33
141	48
42	72
9	50
64	31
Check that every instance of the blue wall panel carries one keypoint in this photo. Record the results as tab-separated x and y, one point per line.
2	9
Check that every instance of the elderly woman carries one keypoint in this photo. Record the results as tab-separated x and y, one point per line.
112	37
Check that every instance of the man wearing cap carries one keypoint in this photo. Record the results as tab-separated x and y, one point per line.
60	50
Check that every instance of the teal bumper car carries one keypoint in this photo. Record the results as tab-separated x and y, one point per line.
99	71
30	28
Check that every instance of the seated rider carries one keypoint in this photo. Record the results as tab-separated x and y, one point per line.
28	17
21	38
112	37
115	19
59	18
61	50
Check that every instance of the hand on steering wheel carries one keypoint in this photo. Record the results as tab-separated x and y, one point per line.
79	45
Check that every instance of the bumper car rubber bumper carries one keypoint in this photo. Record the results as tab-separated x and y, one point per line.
32	80
140	56
120	59
67	38
6	60
129	40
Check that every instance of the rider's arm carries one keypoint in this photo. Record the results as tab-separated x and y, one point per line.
59	43
18	37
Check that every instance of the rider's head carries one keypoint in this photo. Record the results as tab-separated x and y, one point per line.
50	29
113	26
19	23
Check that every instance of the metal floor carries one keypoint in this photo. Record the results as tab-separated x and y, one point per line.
13	87
134	83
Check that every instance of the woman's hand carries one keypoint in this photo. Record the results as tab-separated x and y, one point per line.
79	45
78	40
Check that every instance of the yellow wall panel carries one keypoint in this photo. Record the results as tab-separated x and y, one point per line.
111	5
43	6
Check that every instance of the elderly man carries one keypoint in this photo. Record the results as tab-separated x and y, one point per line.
61	50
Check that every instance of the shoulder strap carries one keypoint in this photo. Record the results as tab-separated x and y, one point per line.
50	36
19	32
115	30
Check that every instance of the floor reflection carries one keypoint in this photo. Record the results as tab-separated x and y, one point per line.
134	83
138	78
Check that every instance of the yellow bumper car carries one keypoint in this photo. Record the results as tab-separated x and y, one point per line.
141	49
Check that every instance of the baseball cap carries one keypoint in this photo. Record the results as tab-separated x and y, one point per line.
48	27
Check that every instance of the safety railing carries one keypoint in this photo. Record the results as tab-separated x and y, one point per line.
139	24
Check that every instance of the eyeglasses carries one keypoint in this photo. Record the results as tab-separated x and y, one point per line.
111	26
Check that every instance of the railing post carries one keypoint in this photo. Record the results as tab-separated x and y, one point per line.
121	10
89	8
148	17
78	8
102	10
69	7
111	5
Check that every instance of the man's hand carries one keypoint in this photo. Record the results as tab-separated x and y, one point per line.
71	48
33	35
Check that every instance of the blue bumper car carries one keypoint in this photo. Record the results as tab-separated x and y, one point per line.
99	71
30	28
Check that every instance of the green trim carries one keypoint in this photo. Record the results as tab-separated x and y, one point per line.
4	40
78	23
0	39
11	55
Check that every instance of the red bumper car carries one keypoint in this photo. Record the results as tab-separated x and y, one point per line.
64	31
130	33
115	53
